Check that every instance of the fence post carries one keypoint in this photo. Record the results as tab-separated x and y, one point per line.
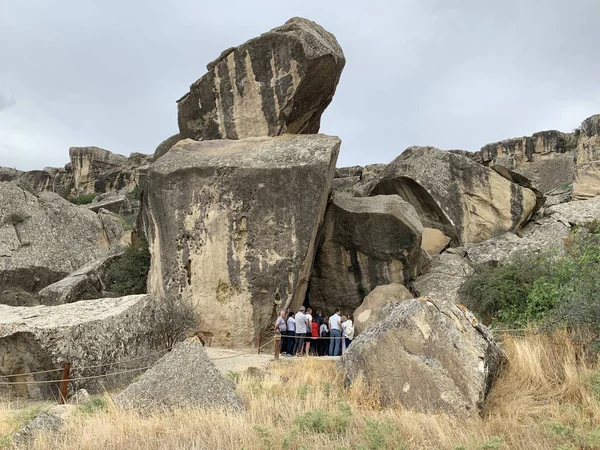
276	346
259	342
63	384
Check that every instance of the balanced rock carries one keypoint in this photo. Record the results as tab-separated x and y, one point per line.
43	239
466	201
105	332
366	242
426	355
232	227
183	377
277	83
376	305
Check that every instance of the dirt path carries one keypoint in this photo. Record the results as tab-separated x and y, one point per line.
234	360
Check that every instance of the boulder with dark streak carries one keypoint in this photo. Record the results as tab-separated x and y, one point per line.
277	83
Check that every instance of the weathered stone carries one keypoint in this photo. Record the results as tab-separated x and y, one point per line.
277	83
113	227
358	181
559	195
93	166
433	241
523	181
375	306
51	420
183	377
80	397
107	332
365	242
345	172
165	146
43	239
85	283
428	356
118	204
576	213
466	201
587	171
232	227
445	276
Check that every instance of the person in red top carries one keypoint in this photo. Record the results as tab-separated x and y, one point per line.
314	335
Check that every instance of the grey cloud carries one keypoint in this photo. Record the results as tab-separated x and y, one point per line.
6	101
451	74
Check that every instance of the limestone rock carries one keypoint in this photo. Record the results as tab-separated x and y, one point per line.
377	304
108	332
365	242
277	83
464	200
165	146
92	166
43	239
51	420
559	195
587	172
358	181
576	213
445	276
434	241
232	227
428	356
86	283
183	377
118	204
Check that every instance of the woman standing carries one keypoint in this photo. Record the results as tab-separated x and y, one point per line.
348	331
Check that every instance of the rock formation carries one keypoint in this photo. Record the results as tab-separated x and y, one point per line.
445	276
277	83
378	304
464	200
428	356
183	377
43	239
366	242
587	173
232	227
90	333
356	180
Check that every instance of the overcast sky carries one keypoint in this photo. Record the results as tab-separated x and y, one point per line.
452	74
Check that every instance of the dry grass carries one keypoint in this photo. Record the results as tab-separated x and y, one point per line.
546	399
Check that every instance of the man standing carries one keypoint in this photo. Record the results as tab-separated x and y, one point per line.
301	329
335	333
281	329
291	332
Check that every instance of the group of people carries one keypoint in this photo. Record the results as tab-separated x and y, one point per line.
303	333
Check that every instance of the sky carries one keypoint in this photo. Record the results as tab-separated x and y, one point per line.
454	74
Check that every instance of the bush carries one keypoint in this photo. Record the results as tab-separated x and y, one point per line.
128	275
177	319
320	421
547	290
83	199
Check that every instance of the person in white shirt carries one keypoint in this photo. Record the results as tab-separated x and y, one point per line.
301	329
281	328
291	332
309	320
348	331
335	333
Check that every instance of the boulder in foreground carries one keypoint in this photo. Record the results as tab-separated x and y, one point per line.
376	305
183	377
427	356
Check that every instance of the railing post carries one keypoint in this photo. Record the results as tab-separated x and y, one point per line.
276	346
63	384
259	342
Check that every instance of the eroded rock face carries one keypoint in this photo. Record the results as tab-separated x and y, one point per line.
445	275
358	181
87	333
277	83
428	356
183	377
232	227
576	213
43	239
464	200
587	175
376	306
366	242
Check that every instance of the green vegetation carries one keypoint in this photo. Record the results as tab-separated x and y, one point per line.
128	221
320	421
547	290
95	405
128	275
83	199
66	191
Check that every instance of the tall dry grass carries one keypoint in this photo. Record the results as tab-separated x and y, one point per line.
546	399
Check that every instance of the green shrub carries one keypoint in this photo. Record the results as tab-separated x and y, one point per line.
95	404
128	275
547	289
380	435
319	421
84	199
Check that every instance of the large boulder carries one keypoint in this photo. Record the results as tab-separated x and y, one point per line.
358	181
97	337
576	213
466	201
183	377
376	305
93	167
42	239
277	83
232	227
366	242
587	173
426	355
